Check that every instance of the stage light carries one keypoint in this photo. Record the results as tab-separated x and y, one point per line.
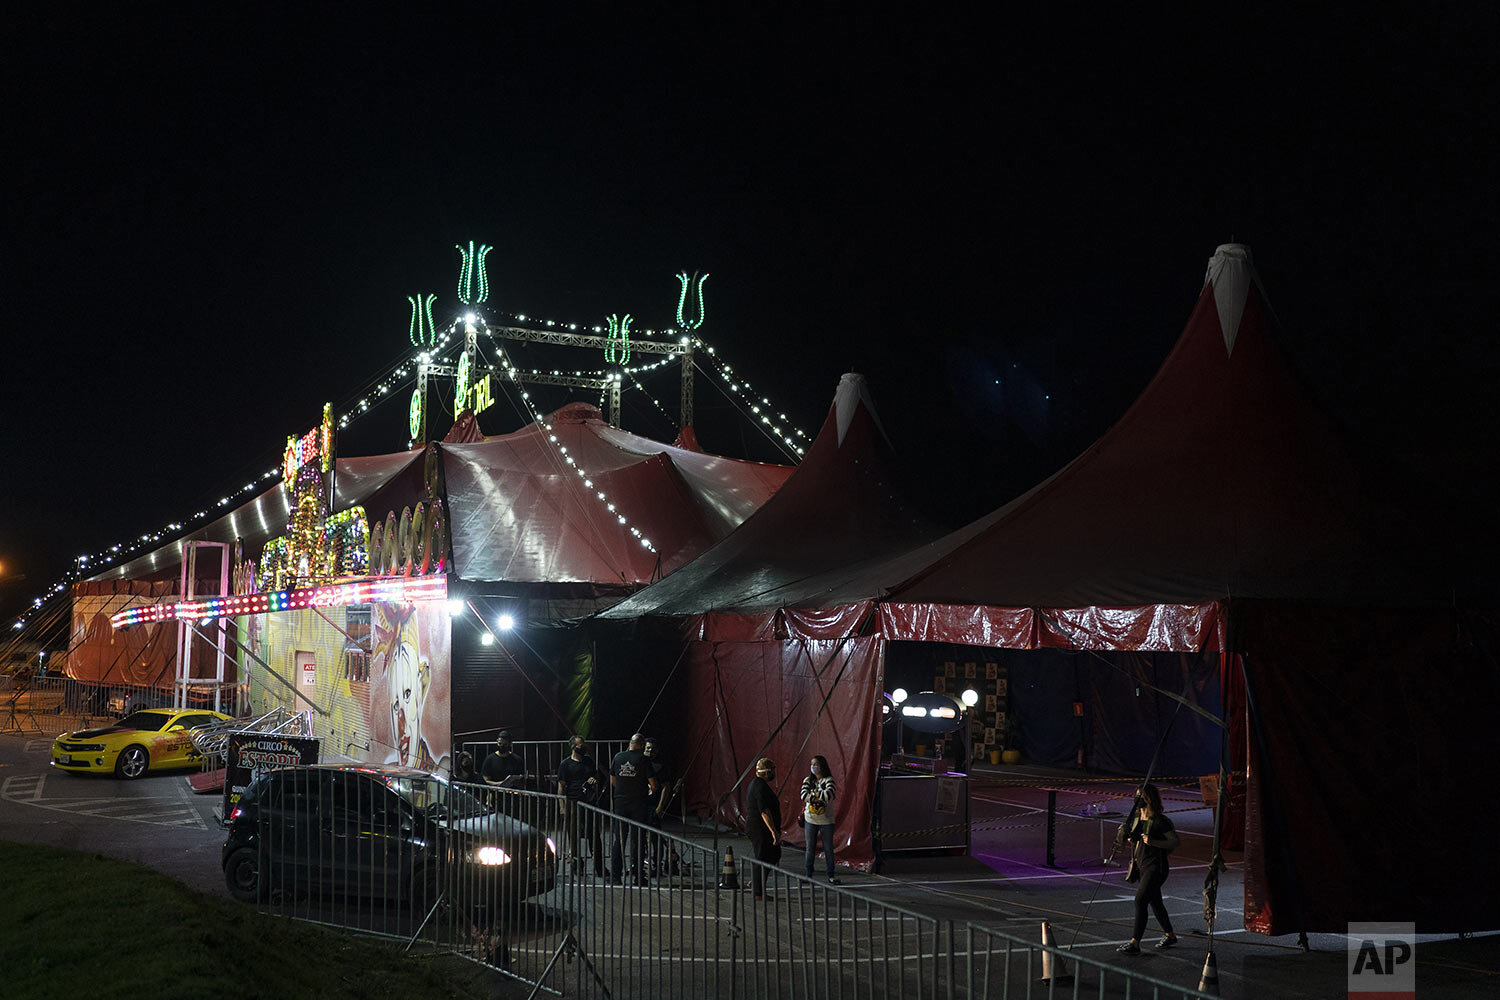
971	697
506	623
486	639
898	695
456	608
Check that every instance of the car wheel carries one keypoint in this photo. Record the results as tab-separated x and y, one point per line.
242	875
133	762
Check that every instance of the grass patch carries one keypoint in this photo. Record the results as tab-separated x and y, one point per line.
83	925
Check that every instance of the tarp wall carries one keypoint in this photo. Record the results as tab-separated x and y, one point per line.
1370	738
786	700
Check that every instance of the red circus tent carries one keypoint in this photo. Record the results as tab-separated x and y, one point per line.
522	514
1223	517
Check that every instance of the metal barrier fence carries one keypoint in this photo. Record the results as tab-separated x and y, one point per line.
52	705
992	964
582	903
539	757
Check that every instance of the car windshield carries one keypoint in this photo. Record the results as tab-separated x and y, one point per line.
147	721
424	792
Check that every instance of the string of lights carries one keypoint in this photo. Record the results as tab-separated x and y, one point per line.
403	372
761	409
561	451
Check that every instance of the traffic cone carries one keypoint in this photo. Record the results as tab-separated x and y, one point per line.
728	878
1054	967
1210	981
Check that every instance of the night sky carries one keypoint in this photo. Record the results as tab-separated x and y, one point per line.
214	218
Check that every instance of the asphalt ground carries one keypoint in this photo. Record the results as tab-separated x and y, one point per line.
1003	884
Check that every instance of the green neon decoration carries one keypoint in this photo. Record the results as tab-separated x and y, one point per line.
414	414
619	334
462	392
421	305
469	261
690	315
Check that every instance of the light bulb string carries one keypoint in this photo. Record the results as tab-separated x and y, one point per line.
403	372
558	453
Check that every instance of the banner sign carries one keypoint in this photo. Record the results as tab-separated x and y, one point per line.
248	754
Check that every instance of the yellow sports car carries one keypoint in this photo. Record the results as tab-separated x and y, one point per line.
151	737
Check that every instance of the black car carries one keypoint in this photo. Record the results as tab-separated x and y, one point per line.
366	832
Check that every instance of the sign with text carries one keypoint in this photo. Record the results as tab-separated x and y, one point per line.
248	754
1382	961
307	668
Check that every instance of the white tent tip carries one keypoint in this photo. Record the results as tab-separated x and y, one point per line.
1230	272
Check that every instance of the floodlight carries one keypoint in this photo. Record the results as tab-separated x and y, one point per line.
971	697
898	695
506	623
456	608
486	639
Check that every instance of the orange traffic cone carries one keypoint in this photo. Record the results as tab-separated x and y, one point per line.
728	878
1210	981
1054	967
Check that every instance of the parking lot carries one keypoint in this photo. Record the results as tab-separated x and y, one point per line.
687	922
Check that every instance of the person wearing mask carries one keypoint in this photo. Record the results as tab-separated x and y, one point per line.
818	791
578	782
1155	838
763	822
504	764
631	787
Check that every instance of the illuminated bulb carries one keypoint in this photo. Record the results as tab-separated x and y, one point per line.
898	695
506	623
971	697
455	608
486	639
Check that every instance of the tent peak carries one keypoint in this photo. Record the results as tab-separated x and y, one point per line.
852	391
1230	272
575	413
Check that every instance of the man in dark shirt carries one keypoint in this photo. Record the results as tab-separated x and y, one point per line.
578	781
661	801
631	786
763	822
503	763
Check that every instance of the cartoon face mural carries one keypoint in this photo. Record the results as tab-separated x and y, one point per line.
408	677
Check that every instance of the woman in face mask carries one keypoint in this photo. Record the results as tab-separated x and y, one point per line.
817	813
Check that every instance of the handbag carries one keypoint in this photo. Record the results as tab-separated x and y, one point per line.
1133	873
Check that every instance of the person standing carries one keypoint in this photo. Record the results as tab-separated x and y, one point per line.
660	850
818	791
631	786
763	822
578	782
1155	838
503	764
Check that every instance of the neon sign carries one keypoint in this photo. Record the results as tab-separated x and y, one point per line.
316	443
481	395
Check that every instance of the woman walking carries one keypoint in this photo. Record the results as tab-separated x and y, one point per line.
817	813
1155	839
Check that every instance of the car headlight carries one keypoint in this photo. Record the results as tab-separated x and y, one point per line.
551	845
492	856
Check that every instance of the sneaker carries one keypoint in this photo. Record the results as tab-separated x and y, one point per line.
1129	948
1167	941
834	880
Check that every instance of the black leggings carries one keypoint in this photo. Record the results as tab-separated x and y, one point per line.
1148	893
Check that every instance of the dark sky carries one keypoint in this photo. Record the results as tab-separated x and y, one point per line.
214	217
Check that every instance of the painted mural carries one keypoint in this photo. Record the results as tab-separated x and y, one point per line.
375	678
